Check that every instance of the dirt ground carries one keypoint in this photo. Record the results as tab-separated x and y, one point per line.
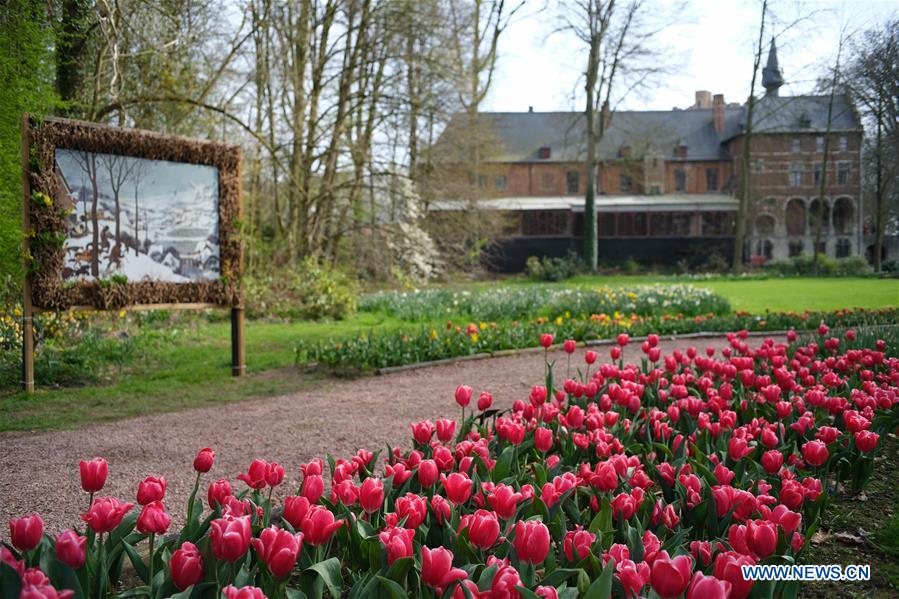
39	473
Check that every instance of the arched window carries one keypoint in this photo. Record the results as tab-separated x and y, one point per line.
795	217
817	210
764	248
843	216
764	224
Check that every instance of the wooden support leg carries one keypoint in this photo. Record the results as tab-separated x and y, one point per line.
28	352
238	347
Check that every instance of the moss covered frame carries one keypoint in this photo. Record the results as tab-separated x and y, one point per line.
47	232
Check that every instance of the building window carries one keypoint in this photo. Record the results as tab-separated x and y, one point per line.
843	220
764	248
843	173
625	182
607	224
631	224
655	189
624	151
819	212
758	166
680	180
499	182
573	179
797	145
548	182
543	153
682	151
795	248
844	143
819	144
818	170
844	248
764	224
717	224
544	223
795	175
795	217
711	179
482	181
670	224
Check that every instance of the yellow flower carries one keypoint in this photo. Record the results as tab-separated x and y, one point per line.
121	314
474	337
558	321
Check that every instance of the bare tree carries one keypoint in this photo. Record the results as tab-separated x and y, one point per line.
873	79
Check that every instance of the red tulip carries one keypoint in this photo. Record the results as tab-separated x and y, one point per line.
569	346
255	475
274	474
463	395
186	566
761	537
422	431
590	356
772	461
605	477
232	592
278	549
204	460
25	533
670	576
441	509
218	491
702	552
633	576
93	474
70	548
483	528
623	339
313	487
505	584
106	513
543	439
153	519
485	400
546	592
708	587
437	568
319	525
577	544
504	501
427	473
546	340
295	509
728	566
151	489
615	353
457	487
788	520
471	586
531	541
866	441
397	542
230	537
371	495
446	429
815	452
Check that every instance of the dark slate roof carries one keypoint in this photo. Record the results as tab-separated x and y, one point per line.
520	135
785	114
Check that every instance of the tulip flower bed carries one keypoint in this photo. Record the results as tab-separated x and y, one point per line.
522	302
659	481
423	344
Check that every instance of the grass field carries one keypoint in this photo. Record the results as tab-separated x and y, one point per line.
192	368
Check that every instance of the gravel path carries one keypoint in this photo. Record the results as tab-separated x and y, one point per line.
39	473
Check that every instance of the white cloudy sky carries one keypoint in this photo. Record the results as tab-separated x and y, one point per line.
710	46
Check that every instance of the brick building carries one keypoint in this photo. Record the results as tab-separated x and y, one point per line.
667	180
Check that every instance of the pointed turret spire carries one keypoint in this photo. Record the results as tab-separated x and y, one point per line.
771	76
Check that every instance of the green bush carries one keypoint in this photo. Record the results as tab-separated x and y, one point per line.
554	269
308	291
803	265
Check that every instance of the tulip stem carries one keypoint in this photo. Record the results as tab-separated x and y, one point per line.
90	501
190	503
150	568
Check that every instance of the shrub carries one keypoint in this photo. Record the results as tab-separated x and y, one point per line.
803	265
640	481
554	269
308	291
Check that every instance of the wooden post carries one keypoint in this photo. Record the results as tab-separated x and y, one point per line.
238	339
27	311
238	347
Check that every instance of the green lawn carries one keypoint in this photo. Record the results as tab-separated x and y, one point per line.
192	368
780	295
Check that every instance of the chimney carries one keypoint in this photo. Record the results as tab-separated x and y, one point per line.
530	109
718	113
703	99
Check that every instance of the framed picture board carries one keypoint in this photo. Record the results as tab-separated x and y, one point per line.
121	218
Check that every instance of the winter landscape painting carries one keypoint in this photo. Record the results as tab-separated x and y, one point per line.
144	219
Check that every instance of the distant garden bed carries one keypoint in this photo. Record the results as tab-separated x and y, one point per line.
372	351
